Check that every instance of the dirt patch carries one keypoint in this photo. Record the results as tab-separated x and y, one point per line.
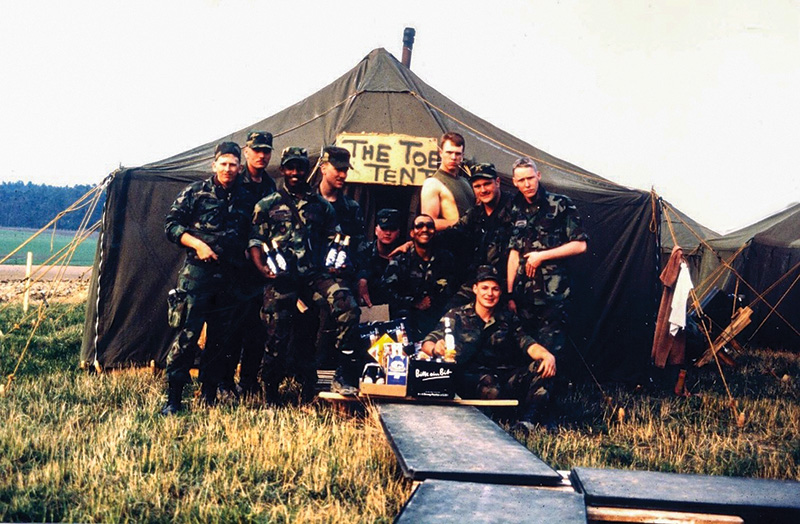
70	284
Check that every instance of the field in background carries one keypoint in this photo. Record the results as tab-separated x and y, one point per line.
44	246
80	447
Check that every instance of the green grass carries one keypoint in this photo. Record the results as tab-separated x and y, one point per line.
11	238
659	431
80	447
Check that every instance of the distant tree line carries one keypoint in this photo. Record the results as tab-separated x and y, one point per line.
34	205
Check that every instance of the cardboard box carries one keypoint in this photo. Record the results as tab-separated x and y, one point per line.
382	390
430	379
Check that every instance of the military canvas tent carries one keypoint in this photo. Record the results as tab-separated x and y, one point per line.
615	291
766	258
677	228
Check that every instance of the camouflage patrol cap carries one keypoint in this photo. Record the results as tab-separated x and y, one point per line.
388	219
259	140
227	148
294	153
484	171
487	272
338	157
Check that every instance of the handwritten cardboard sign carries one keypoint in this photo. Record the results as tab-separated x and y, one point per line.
399	160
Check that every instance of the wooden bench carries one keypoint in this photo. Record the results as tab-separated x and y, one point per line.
459	443
755	500
445	501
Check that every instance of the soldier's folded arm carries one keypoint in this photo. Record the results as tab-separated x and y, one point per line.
571	248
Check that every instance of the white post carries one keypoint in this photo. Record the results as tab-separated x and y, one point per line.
27	282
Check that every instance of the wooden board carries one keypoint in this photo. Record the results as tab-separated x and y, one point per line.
444	501
652	516
755	500
335	397
459	443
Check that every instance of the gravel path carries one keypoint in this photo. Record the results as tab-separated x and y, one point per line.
72	285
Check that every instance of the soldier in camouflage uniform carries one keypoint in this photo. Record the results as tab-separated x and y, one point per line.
251	333
418	282
334	163
375	257
211	219
484	230
495	358
547	229
303	224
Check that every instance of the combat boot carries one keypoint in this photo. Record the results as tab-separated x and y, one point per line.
343	382
174	393
208	394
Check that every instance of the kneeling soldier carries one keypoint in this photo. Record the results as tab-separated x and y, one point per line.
494	356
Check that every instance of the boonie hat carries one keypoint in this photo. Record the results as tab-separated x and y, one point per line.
388	219
259	140
338	157
228	148
485	171
487	272
294	153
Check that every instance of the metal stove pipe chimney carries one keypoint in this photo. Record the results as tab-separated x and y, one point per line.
408	45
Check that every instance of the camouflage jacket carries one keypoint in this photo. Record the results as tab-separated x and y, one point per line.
305	242
372	266
261	189
408	279
500	342
551	220
218	217
486	235
351	222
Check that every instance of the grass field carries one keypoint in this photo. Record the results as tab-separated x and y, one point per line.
44	246
92	448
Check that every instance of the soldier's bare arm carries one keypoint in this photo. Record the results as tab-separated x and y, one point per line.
511	275
534	259
547	367
429	198
204	252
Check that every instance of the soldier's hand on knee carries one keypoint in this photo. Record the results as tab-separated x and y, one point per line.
547	366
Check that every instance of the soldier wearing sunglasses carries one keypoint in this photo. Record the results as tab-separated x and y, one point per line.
418	282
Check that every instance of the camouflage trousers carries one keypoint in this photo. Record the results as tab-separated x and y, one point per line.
208	300
545	323
248	343
523	383
333	300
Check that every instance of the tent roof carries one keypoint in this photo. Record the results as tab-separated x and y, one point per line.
685	229
735	239
784	233
383	96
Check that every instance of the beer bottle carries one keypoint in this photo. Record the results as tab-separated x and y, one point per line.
333	251
280	260
341	256
271	264
449	342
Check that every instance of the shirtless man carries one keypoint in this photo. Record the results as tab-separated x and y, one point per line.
447	194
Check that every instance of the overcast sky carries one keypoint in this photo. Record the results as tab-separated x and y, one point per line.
698	99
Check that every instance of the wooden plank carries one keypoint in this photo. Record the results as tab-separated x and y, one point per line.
444	501
649	516
740	321
755	500
335	397
459	443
